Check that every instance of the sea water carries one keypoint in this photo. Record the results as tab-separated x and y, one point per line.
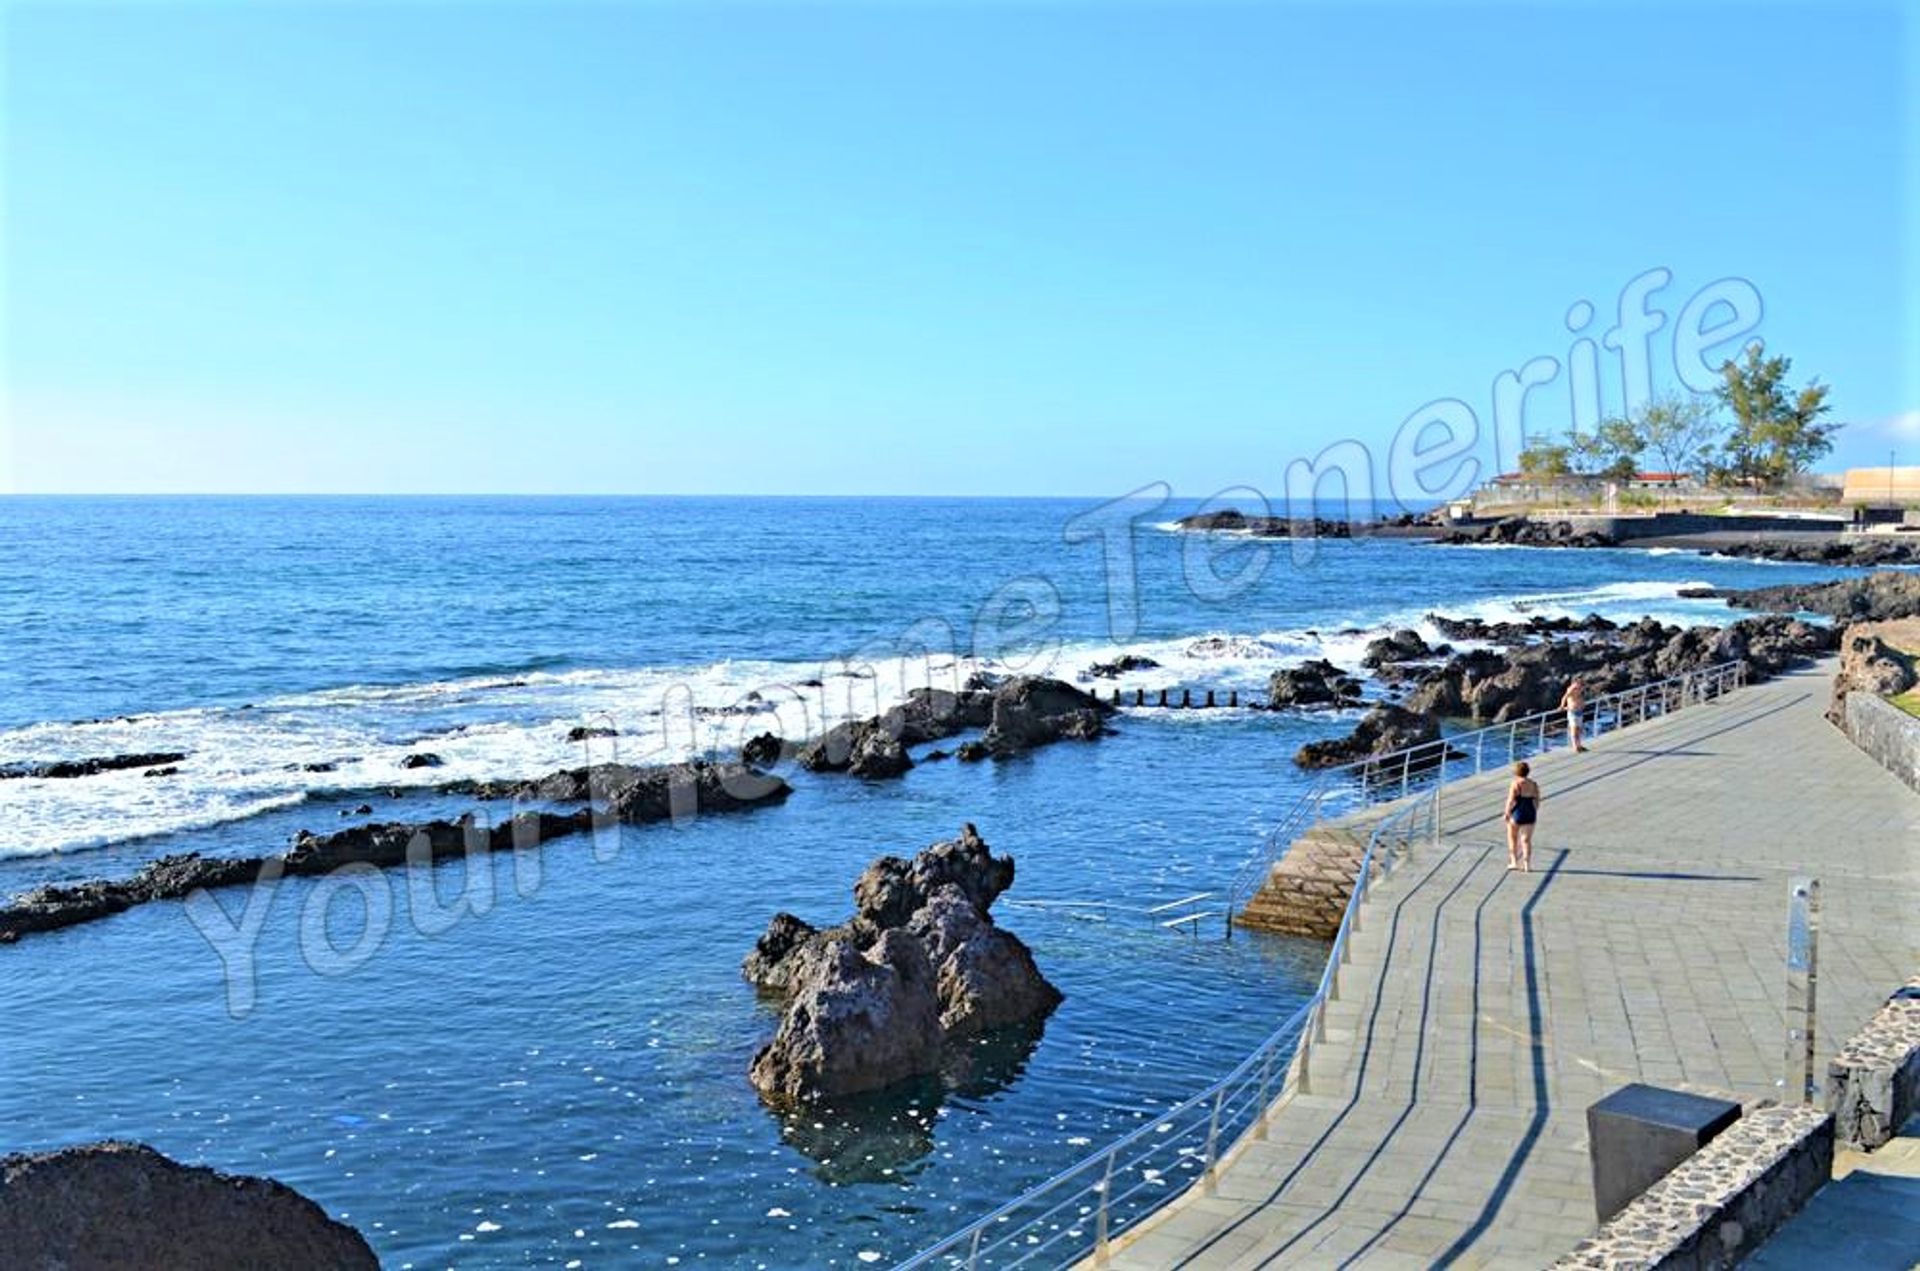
560	1078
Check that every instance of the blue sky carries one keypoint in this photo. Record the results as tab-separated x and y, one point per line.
908	248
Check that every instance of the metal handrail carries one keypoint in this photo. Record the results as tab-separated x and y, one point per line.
1398	771
1083	1206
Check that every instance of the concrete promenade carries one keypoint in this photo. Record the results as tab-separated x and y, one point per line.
1484	1010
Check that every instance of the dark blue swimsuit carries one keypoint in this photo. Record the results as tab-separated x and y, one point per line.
1523	810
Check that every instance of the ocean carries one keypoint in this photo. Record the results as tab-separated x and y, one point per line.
559	1078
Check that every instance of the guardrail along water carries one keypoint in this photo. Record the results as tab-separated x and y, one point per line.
1077	1213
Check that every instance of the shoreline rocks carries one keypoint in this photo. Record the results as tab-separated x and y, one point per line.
873	1001
631	796
1492	686
1877	597
1028	712
1864	552
1318	684
1524	531
1017	714
70	769
117	1204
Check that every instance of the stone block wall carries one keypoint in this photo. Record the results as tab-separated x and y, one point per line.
1885	732
1721	1203
1873	1084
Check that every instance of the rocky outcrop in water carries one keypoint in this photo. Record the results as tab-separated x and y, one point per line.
627	795
1266	526
1865	552
125	1205
1018	714
873	1000
1385	729
1029	712
1527	532
69	769
1312	684
1404	645
1120	665
1875	598
1511	633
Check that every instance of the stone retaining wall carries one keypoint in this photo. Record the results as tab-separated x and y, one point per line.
1888	734
1873	1084
1722	1202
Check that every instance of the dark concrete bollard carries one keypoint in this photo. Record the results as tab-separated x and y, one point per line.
1186	697
1209	697
1163	697
1638	1133
1233	697
1139	697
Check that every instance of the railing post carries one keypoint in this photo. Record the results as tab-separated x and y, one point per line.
1100	1250
973	1251
1479	752
1266	1079
1803	983
1406	771
1305	1061
1213	1139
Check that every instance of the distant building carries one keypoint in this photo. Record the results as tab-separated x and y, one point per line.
1881	487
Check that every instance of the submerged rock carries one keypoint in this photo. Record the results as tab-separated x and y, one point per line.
1120	665
126	1205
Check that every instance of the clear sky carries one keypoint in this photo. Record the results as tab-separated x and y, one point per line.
990	248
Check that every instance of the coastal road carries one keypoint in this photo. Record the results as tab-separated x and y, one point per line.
1484	1010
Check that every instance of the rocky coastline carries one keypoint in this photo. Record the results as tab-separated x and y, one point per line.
625	795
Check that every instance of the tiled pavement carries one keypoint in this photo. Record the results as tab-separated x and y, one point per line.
1485	1010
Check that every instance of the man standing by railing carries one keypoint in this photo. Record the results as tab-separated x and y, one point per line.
1573	702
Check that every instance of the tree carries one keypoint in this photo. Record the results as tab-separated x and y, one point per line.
1544	461
1681	429
1776	431
1617	444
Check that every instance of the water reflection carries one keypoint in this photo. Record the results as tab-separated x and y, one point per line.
880	1137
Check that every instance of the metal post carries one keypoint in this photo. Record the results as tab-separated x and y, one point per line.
1305	1084
973	1251
1406	771
1479	752
1266	1078
1100	1251
1213	1138
1803	982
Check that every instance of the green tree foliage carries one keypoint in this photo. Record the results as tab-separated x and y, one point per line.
1776	431
1618	443
1544	461
1681	430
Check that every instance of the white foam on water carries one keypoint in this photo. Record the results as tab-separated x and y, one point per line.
244	761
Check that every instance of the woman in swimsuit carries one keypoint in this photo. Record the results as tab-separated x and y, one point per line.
1523	809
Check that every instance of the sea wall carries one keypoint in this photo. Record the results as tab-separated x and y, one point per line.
1888	734
1722	1202
1873	1084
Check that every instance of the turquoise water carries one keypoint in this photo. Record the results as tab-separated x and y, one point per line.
561	1078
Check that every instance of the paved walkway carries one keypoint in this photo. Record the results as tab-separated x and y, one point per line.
1485	1010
